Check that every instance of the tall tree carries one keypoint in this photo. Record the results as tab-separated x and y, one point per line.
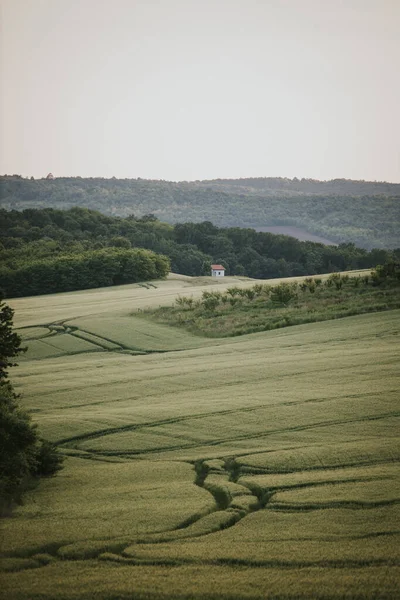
23	454
10	342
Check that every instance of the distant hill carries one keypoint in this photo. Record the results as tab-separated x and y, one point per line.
283	185
365	213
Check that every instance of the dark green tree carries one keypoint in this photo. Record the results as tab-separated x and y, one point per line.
23	454
10	342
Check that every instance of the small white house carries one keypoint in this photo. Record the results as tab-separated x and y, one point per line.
217	271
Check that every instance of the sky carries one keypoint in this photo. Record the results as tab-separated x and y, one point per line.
201	89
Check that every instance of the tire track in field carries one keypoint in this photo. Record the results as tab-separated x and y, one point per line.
196	416
247	469
118	553
259	470
206	383
134	427
233	410
249	563
72	329
122	550
120	346
352	504
59	328
227	503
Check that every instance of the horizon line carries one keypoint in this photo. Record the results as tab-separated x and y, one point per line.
292	179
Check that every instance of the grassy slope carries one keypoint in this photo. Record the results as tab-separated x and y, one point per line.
234	313
293	433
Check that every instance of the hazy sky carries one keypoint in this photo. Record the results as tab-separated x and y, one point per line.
200	89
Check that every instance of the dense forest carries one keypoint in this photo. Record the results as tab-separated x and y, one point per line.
344	211
50	250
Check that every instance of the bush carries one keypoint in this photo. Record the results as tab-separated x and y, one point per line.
388	273
210	302
258	289
283	293
185	301
336	280
49	460
249	293
234	291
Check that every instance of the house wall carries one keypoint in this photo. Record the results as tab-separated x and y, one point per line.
215	273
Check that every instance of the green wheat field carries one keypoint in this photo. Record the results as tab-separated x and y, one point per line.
259	466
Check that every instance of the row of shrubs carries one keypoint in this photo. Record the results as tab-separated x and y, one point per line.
283	293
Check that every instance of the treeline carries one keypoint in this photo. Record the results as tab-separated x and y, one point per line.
364	213
266	255
91	269
48	250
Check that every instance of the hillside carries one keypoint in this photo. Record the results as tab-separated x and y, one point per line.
238	310
364	213
261	466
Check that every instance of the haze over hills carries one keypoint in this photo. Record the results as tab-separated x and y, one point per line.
340	210
282	185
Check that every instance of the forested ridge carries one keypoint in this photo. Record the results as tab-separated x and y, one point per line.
50	250
344	211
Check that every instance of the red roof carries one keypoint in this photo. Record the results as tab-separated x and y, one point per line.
217	268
